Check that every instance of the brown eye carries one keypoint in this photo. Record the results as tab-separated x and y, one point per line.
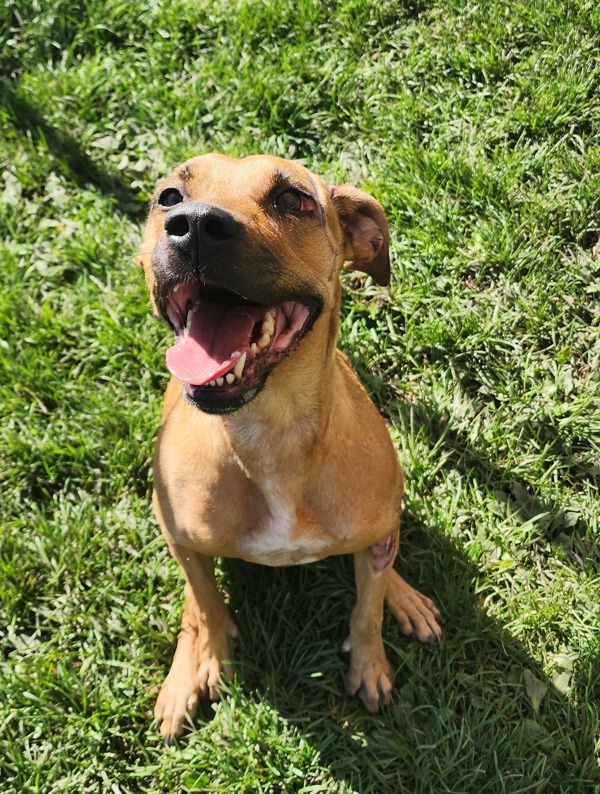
170	197
290	201
294	201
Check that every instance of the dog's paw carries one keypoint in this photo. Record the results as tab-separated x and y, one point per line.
199	664
370	676
417	615
178	700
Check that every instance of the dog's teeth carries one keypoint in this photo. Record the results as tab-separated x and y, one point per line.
268	326
230	377
254	348
239	366
212	382
188	322
264	340
220	381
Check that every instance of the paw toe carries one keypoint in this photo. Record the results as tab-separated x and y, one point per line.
385	690
370	701
426	630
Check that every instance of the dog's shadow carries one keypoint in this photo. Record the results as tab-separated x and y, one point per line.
470	700
480	704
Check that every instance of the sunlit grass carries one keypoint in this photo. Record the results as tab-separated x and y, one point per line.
476	126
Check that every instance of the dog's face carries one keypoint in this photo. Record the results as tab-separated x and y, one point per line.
241	257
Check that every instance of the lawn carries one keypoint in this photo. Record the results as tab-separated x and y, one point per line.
477	126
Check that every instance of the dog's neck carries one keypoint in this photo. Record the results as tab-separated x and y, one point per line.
280	426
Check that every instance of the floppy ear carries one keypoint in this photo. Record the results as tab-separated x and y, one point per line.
366	232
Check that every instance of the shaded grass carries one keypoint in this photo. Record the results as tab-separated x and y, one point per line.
476	125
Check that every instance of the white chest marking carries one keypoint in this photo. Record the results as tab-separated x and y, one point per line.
274	543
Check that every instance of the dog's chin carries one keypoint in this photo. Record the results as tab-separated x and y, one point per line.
210	401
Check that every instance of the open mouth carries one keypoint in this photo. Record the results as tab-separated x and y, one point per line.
225	345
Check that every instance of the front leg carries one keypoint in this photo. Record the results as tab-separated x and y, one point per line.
370	673
203	646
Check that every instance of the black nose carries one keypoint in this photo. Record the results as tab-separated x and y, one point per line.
200	228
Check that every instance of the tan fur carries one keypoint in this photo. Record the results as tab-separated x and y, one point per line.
304	471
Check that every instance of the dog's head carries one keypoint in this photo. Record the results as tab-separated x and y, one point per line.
241	257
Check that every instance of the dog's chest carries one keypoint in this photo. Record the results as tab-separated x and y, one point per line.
284	532
282	536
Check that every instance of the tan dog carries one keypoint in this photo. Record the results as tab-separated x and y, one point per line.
270	450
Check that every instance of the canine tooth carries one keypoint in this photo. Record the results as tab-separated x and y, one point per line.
264	340
268	325
220	381
230	377
188	322
239	366
254	348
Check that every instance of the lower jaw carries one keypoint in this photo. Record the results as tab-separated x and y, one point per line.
213	402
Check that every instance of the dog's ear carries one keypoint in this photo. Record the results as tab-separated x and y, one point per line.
366	232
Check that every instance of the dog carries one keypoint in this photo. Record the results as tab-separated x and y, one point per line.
270	449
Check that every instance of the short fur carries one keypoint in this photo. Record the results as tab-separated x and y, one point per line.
306	469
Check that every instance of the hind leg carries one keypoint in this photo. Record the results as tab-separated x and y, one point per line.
417	615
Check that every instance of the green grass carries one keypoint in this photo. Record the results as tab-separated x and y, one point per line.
477	125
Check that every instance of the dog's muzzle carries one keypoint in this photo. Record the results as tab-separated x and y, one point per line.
232	324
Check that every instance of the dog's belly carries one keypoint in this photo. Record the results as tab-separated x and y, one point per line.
273	541
275	545
266	542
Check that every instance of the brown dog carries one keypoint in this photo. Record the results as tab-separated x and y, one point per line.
270	450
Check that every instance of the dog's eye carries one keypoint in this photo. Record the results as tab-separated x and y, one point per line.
294	201
170	197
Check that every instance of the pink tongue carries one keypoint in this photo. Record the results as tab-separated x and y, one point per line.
217	336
